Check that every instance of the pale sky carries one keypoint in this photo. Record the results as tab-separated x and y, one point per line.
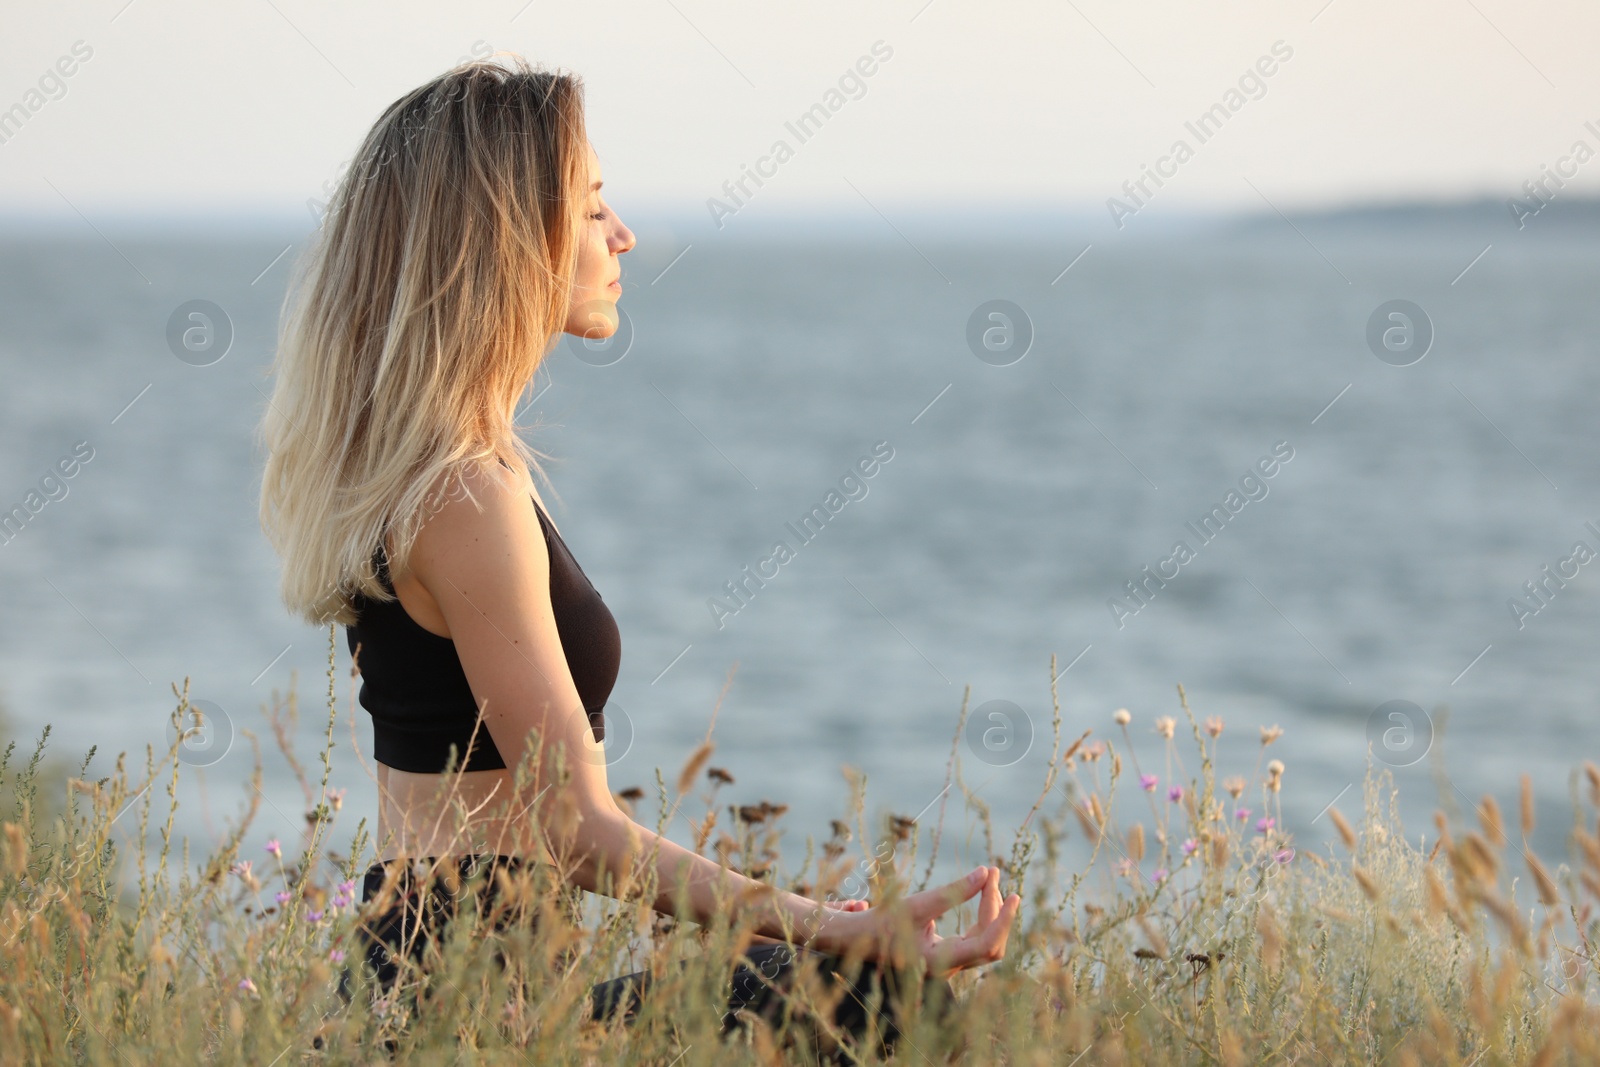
198	110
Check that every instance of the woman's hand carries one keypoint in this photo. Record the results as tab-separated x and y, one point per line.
984	943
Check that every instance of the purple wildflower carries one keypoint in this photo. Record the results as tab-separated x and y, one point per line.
1265	824
314	916
1242	814
1147	782
247	985
1175	794
1160	873
1285	856
1189	846
274	848
283	896
337	955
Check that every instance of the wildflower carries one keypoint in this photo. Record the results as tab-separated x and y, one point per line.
1158	874
1164	725
283	896
1214	726
1242	814
1234	785
1266	823
1124	866
1123	716
1270	734
1285	855
340	901
337	955
314	916
1148	782
1189	846
336	798
242	869
347	888
1094	751
274	848
247	985
1175	794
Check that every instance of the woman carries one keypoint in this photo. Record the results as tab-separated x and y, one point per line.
468	234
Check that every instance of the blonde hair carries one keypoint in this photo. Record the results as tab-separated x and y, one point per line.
439	280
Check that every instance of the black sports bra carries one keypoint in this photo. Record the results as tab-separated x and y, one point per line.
413	685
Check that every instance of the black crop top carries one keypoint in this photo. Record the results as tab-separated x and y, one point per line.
413	685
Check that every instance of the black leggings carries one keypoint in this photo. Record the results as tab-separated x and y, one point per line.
759	982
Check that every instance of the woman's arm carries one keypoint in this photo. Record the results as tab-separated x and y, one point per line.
489	571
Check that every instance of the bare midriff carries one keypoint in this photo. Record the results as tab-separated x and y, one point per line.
422	815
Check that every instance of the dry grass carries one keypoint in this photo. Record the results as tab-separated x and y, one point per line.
1189	935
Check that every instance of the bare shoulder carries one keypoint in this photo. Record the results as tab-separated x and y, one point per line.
479	526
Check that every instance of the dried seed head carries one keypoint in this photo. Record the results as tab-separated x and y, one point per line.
1270	734
1438	901
1271	937
1443	826
1527	805
1591	847
1368	886
1483	859
1275	767
1123	716
1085	820
1549	895
1136	842
1345	832
1234	785
1214	726
1489	818
1165	725
691	769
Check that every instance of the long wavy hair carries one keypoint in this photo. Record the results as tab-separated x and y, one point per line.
440	278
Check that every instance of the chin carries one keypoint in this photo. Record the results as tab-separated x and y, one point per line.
596	319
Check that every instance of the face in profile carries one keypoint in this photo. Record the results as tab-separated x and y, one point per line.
598	280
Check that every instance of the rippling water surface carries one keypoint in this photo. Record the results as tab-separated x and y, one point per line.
1377	564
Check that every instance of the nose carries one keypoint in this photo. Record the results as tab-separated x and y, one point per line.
621	239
